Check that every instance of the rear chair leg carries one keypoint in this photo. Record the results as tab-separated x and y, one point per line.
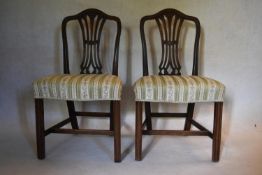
217	131
72	115
148	117
40	128
117	131
190	112
138	139
111	119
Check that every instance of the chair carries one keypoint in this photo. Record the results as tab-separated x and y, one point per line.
89	85
172	87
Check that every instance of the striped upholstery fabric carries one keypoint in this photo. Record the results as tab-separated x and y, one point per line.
80	87
178	89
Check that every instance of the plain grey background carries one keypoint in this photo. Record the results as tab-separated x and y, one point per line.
31	47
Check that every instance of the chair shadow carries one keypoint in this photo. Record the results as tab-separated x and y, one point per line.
25	102
227	121
149	146
128	149
107	149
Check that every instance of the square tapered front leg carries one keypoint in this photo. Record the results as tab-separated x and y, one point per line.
117	131
138	139
40	128
217	131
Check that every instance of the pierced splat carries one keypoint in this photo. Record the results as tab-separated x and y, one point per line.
169	26
91	26
169	22
91	23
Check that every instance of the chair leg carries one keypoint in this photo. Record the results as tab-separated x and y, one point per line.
117	131
138	139
111	122
40	128
148	117
72	115
190	112
217	131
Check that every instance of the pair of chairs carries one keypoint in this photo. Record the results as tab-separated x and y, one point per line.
94	85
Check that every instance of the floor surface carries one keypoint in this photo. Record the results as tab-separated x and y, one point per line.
93	155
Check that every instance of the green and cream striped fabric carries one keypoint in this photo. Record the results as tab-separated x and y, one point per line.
178	89
81	87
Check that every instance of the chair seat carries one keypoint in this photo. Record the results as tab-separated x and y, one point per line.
178	89
81	87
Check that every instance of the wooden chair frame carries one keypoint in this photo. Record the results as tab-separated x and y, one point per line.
91	41
170	61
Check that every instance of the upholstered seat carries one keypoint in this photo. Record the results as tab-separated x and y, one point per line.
81	87
178	89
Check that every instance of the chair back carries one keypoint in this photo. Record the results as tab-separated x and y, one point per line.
169	22
91	23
